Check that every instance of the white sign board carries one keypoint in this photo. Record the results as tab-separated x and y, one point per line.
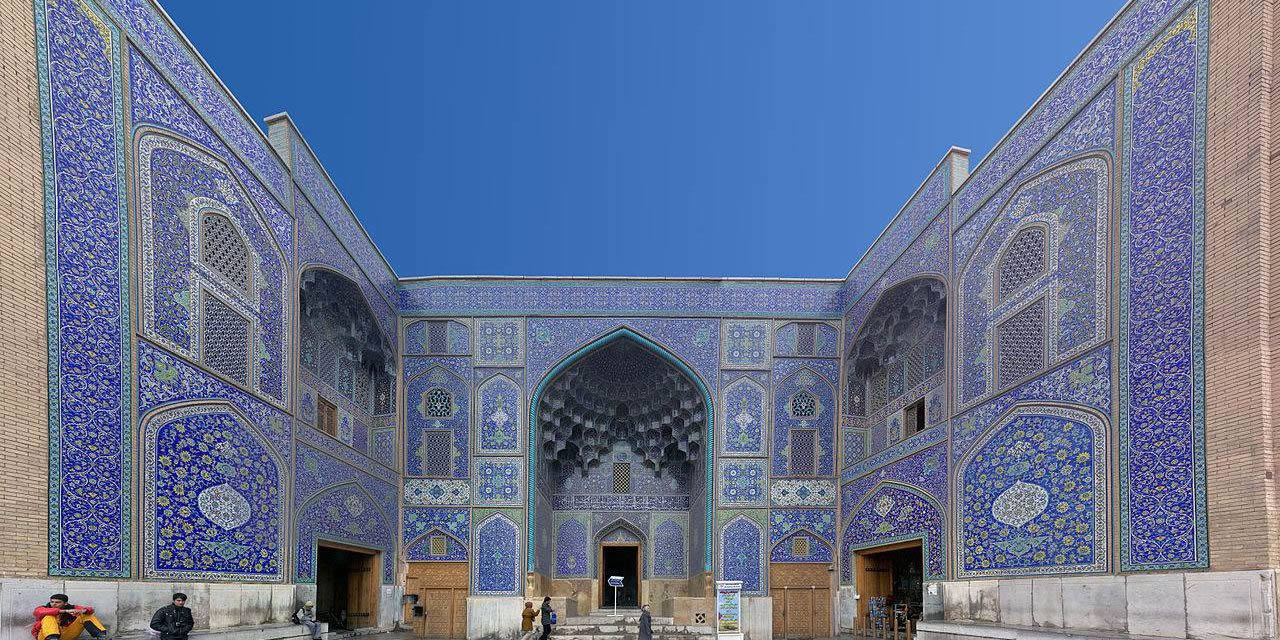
729	609
615	581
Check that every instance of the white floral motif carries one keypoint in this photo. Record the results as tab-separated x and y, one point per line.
355	506
1020	504
224	506
883	506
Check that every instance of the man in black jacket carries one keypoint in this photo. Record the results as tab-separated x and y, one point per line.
546	618
173	622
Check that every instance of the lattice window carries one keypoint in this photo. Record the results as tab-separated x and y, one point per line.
328	357
856	396
438	336
309	350
914	365
896	382
622	477
439	403
800	546
226	339
346	378
1022	261
802	405
805	342
804	443
381	393
879	391
439	546
362	389
223	250
913	418
1020	345
327	417
438	453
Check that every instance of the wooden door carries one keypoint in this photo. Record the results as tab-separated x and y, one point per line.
362	591
801	600
873	573
441	590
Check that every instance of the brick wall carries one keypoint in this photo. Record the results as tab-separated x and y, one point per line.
1239	349
23	409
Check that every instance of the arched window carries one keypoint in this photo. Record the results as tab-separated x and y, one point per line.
1023	261
224	251
438	403
802	405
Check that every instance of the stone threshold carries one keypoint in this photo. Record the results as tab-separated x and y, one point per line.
960	629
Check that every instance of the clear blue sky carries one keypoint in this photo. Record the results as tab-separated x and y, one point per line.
637	137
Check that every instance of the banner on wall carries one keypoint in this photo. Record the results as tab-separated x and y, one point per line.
729	609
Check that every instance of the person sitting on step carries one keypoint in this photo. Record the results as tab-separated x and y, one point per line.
61	620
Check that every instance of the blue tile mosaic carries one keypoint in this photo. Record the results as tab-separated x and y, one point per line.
495	569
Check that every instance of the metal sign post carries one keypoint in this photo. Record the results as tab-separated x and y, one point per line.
615	582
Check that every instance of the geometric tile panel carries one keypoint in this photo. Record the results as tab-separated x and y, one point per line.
499	416
744	417
745	344
433	492
498	481
437	401
743	483
495	568
804	401
818	524
1031	498
787	492
213	500
499	342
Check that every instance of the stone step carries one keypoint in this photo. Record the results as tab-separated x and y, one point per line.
631	636
632	629
601	618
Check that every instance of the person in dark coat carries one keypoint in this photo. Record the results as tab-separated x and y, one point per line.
546	618
646	624
173	622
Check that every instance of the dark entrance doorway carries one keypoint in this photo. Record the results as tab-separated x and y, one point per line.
620	560
347	581
892	576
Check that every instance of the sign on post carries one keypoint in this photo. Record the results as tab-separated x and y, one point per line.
615	582
729	609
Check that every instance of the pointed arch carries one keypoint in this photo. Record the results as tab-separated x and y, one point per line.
745	429
451	555
929	525
620	523
749	538
496	571
494	412
781	551
662	352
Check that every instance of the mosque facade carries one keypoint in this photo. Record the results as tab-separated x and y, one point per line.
1040	400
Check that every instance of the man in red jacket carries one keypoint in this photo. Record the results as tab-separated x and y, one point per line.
61	620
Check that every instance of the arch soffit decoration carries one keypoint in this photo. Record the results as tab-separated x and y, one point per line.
434	531
905	486
619	523
153	415
363	301
922	275
797	531
590	346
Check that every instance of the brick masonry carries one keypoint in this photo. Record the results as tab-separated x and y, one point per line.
23	409
1240	354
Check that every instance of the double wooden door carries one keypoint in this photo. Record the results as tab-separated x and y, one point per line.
801	600
441	607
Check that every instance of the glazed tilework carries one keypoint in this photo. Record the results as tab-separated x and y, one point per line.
1091	130
1031	497
382	446
668	553
818	524
596	297
1085	381
744	483
1071	202
213	499
165	379
497	481
421	524
926	256
315	470
422	415
87	261
619	502
433	491
741	547
456	338
1163	503
499	415
924	469
331	206
333	447
500	342
903	231
495	568
894	513
854	441
319	247
572	556
1094	69
790	380
745	344
787	492
744	410
344	513
691	340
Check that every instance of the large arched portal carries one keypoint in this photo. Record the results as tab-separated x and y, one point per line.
620	445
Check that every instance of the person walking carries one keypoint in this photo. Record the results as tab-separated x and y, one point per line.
173	621
307	617
547	612
526	618
646	624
